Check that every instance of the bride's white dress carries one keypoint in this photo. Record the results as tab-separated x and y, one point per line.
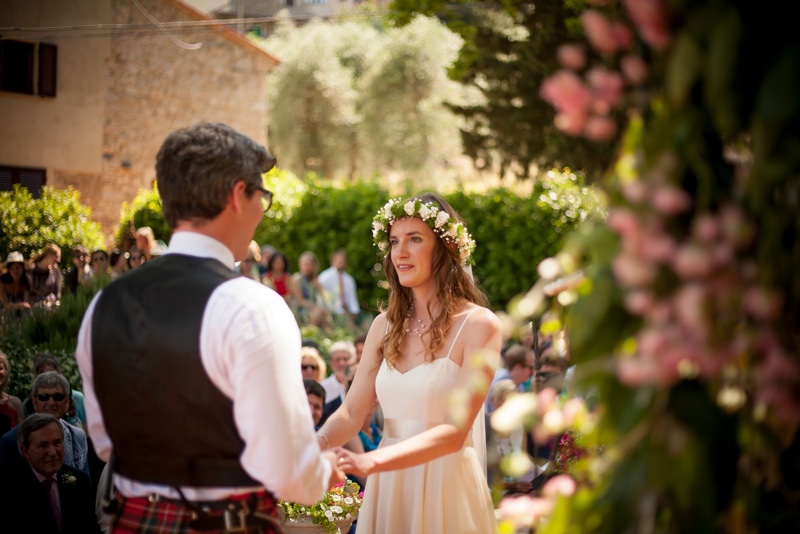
448	495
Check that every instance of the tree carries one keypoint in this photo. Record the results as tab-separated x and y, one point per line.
57	216
351	98
509	48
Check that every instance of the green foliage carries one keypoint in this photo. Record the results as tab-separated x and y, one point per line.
355	99
530	229
53	330
513	233
700	433
326	218
144	210
509	48
28	224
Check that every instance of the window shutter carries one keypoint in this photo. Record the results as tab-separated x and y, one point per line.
16	66
32	180
48	55
6	179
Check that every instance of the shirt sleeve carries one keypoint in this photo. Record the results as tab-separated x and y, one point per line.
250	348
94	418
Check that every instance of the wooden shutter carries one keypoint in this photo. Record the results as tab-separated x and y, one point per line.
30	178
16	66
48	54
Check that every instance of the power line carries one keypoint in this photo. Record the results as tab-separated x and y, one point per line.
106	30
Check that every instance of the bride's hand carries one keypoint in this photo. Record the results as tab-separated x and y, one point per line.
359	465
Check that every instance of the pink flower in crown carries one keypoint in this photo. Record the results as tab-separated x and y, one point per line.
606	84
632	271
567	92
638	302
623	221
670	200
706	228
634	69
650	19
559	485
571	124
600	128
692	261
599	32
572	56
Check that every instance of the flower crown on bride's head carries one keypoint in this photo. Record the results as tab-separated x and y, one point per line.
442	224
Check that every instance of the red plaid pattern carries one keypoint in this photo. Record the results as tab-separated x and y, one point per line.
139	515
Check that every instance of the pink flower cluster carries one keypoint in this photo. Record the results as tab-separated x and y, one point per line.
702	306
583	105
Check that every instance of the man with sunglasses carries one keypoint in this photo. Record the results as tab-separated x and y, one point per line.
190	369
50	394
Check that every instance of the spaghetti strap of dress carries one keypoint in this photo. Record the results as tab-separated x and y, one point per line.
459	331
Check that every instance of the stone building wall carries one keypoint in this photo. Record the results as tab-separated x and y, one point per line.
157	82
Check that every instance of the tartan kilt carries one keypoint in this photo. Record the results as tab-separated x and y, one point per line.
141	515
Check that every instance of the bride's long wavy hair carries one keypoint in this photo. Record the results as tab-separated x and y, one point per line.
453	285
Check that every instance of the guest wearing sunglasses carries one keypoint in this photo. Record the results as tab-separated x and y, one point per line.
312	365
50	393
76	413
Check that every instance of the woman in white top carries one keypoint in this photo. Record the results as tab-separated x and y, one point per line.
436	336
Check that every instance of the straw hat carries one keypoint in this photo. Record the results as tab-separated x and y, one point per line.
14	257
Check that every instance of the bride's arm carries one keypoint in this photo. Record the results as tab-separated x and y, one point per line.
482	341
346	421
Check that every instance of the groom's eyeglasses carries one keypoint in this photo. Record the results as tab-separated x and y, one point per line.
266	198
44	397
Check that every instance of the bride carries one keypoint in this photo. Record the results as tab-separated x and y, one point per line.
428	475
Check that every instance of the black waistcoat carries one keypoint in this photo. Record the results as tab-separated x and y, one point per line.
167	421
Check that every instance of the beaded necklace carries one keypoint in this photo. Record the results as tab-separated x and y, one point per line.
414	326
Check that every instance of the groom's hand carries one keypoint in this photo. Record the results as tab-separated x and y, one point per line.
337	474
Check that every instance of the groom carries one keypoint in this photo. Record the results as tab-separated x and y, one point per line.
190	370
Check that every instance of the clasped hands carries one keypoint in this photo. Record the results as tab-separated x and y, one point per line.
351	463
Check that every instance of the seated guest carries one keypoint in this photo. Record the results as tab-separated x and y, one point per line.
80	272
76	413
41	494
316	400
50	394
332	405
11	413
99	263
312	365
342	354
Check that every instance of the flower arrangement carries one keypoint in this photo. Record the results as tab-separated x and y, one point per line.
446	227
68	478
339	505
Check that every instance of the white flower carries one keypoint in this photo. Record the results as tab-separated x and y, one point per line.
336	498
441	218
424	212
348	500
329	514
337	509
377	226
452	231
383	245
387	209
409	208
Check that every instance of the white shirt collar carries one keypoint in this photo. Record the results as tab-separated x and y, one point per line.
201	246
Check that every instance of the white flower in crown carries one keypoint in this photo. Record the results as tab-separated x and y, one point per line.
438	220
